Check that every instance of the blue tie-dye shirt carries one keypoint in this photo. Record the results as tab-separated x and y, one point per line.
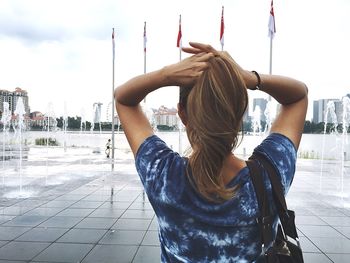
191	229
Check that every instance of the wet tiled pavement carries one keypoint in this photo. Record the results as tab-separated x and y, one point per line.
107	218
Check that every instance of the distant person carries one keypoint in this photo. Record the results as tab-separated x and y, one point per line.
108	148
205	203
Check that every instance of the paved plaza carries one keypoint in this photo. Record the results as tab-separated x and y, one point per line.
71	207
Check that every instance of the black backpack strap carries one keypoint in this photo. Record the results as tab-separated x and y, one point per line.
287	217
266	219
275	182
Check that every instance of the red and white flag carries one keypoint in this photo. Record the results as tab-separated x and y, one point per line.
113	44
179	35
222	28
144	38
272	25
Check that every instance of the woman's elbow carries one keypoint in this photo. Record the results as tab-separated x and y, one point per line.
116	95
306	90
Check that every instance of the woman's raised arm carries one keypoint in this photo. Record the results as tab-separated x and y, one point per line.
293	97
128	96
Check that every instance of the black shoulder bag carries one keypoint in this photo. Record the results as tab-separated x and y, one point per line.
286	247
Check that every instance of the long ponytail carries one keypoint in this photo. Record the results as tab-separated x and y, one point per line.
215	107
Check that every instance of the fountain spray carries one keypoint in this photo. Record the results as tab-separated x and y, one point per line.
5	120
19	113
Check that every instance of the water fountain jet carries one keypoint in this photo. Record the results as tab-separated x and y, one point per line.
256	122
96	118
18	127
51	125
5	120
65	126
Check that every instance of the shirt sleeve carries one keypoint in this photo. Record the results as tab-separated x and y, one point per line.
160	169
281	152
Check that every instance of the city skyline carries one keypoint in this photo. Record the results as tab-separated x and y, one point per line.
324	109
61	51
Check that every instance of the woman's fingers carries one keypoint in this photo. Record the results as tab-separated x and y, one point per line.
204	56
191	50
201	57
196	48
203	47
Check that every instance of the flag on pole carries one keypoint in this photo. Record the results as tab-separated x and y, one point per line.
179	35
222	28
272	25
144	38
113	44
113	118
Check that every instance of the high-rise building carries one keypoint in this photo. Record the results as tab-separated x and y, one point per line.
11	97
166	116
260	103
318	114
327	110
246	114
97	112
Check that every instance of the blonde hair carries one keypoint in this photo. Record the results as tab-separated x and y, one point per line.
214	106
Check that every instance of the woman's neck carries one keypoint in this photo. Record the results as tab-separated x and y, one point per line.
231	167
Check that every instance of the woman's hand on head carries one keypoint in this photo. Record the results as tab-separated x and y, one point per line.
197	48
186	72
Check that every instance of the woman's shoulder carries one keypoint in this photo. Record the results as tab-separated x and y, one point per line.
149	142
276	143
161	169
282	154
153	146
154	149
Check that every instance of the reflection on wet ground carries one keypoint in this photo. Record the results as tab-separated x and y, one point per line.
71	207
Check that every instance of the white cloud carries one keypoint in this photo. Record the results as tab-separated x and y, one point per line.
61	50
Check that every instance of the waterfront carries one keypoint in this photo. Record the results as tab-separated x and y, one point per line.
312	146
38	167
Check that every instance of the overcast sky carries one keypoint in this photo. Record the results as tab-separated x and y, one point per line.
60	51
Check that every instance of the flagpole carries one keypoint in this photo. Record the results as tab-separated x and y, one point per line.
222	29
144	51
179	45
179	39
180	124
270	69
144	54
113	106
270	64
144	72
271	31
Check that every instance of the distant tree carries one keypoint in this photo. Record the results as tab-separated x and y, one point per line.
88	125
74	123
165	128
308	127
247	126
59	122
35	127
